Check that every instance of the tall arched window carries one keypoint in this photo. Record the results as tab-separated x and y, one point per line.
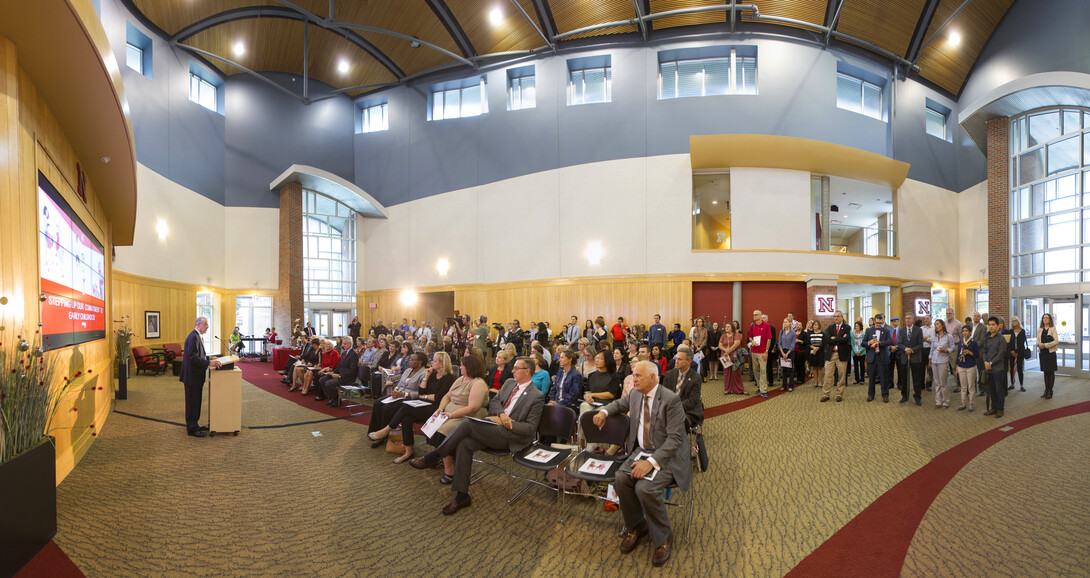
329	251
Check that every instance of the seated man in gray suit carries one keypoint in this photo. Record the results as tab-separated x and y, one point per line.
514	413
658	450
685	380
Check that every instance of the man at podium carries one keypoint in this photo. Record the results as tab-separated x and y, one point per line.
195	364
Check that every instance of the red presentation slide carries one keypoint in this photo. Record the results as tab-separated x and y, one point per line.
72	270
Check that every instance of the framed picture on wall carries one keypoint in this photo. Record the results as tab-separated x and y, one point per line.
151	324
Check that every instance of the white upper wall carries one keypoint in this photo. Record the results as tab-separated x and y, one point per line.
206	243
973	232
639	211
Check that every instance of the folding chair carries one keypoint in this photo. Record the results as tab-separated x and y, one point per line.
613	432
556	421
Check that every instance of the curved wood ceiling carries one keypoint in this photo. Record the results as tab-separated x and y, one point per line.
272	30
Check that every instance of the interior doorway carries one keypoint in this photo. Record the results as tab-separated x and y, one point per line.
1071	314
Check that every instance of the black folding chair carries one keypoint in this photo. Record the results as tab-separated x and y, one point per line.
557	422
613	432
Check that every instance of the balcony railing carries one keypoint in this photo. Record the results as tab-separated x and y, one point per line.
863	241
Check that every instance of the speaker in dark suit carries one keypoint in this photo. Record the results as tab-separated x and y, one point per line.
195	366
910	345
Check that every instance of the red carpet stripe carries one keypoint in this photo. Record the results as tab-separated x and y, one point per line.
50	562
876	541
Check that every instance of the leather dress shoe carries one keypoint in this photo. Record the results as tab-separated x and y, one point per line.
633	538
840	398
870	398
420	463
202	427
999	414
662	553
455	505
198	433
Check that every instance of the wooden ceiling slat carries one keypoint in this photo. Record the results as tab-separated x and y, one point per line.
513	33
174	15
412	18
687	19
881	22
948	66
812	11
286	54
574	14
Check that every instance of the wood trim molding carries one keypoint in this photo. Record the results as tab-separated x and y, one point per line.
722	151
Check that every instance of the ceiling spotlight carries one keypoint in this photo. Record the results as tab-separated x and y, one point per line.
239	48
442	267
408	297
954	39
495	16
342	66
415	44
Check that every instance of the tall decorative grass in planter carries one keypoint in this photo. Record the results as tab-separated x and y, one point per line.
30	400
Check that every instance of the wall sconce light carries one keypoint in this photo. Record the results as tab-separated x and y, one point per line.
408	297
162	230
442	267
594	252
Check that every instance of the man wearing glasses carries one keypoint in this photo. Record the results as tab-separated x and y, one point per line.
758	338
514	414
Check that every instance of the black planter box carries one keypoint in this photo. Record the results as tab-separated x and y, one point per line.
28	509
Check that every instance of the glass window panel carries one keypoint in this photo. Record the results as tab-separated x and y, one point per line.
1061	278
717	77
208	95
935	123
1063	230
690	78
437	106
1032	281
849	92
872	100
471	101
1044	127
452	103
1061	194
745	75
1031	166
194	88
134	58
1071	121
595	85
1061	260
1031	235
1063	155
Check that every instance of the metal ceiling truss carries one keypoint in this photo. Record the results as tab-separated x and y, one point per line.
926	15
547	31
290	14
442	11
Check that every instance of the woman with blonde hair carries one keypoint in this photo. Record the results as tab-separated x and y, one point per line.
467	397
1019	353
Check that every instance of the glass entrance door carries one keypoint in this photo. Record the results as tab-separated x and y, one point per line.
321	322
1068	353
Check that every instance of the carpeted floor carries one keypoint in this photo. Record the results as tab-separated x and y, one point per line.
787	473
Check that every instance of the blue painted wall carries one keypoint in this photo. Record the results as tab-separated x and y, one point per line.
268	131
231	159
1033	37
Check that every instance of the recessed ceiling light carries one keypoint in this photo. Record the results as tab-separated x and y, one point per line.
239	48
342	66
495	16
954	38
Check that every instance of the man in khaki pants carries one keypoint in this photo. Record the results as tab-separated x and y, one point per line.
758	338
838	350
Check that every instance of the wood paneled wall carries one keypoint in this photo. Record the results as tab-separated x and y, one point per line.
636	299
31	140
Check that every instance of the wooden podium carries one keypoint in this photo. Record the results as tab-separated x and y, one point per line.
225	398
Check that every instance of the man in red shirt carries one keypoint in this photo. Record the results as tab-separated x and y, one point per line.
617	332
758	338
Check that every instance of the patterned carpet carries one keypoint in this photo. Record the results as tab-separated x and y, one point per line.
786	474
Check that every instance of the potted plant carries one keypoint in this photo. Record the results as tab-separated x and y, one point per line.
31	401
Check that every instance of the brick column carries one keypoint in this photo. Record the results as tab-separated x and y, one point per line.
999	224
820	287
910	292
288	305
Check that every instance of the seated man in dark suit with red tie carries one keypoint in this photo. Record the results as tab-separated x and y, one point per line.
514	413
658	456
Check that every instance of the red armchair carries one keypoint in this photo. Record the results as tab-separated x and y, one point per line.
148	361
173	351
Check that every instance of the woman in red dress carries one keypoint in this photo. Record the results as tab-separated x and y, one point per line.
729	345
